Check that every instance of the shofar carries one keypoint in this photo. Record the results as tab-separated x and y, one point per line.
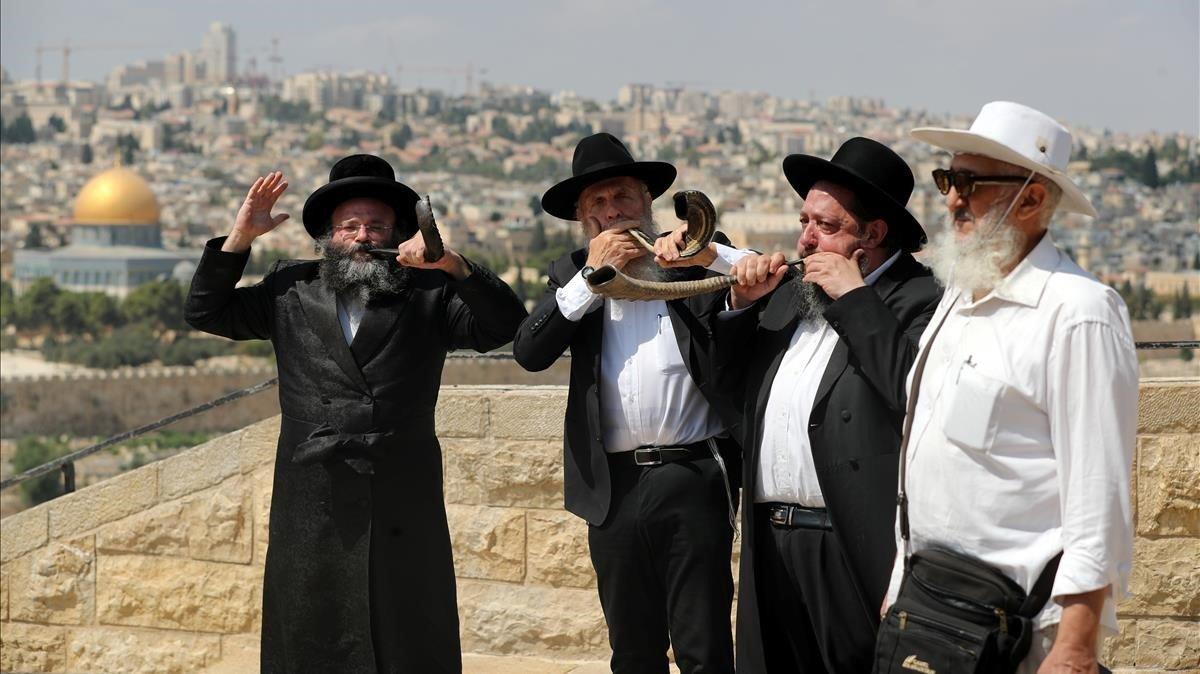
609	282
693	206
434	250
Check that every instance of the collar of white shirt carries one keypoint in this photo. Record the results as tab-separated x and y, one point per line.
1025	283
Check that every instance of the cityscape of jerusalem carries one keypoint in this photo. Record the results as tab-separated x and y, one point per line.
109	190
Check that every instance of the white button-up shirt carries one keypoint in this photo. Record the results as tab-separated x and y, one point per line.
786	471
647	396
1023	432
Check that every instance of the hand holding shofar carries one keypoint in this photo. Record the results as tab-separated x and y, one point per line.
693	206
434	249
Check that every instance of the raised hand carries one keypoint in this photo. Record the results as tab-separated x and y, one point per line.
254	217
412	254
835	273
666	251
757	275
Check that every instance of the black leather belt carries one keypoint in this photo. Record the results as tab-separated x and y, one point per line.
788	516
657	456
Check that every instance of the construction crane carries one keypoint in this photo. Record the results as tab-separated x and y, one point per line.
66	49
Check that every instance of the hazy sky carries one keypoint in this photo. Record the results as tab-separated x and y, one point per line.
1129	66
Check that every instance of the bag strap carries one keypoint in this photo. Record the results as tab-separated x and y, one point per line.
1039	594
918	370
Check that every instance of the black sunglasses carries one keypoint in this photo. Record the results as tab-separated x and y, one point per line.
964	182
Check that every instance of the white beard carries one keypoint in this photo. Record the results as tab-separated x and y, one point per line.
974	262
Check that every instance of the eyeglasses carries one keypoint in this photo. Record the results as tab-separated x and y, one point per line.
352	229
964	182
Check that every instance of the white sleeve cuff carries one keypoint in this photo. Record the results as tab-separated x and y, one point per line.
726	256
575	299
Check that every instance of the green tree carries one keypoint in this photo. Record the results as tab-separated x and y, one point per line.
103	311
538	243
1183	303
158	303
32	452
55	122
86	155
128	146
21	131
31	310
7	298
535	205
401	137
314	141
1149	172
69	314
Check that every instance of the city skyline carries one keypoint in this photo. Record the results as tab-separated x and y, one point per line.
1067	57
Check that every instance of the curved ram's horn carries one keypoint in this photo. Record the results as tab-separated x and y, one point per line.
434	250
694	206
608	282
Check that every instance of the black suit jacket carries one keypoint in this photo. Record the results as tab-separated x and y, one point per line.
854	426
546	334
370	400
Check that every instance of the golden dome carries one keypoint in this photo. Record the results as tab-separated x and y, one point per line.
117	196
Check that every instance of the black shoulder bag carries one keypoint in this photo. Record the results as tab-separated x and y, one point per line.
954	613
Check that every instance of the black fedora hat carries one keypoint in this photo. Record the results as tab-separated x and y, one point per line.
359	175
878	177
599	157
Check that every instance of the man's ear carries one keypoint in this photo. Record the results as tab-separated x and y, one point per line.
877	231
1033	199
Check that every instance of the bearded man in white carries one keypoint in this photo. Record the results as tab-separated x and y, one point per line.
1023	431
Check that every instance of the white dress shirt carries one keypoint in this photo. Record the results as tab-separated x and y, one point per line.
647	396
1023	432
350	311
786	471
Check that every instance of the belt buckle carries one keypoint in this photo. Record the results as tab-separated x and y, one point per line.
654	460
781	515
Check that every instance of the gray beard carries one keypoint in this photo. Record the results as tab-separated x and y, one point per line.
973	262
809	300
369	280
644	267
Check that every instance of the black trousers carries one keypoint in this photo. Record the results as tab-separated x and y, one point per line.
662	564
812	617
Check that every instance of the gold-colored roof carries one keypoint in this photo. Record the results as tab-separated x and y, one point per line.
118	196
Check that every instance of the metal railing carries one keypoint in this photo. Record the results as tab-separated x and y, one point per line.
66	463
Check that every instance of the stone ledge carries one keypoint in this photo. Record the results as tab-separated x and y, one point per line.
178	594
105	502
23	532
1167	406
200	467
115	649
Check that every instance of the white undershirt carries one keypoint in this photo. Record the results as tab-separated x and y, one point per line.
786	471
350	311
647	396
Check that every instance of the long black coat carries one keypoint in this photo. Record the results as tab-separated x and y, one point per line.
547	334
854	426
359	570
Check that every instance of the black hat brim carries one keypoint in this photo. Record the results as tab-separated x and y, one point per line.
803	171
560	200
320	204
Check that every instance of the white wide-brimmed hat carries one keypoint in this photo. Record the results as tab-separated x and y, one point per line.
1019	135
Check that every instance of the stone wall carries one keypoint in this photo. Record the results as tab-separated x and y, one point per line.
159	569
110	402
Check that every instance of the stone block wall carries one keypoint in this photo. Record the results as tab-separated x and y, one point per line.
160	569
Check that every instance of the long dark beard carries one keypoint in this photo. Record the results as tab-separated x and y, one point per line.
371	279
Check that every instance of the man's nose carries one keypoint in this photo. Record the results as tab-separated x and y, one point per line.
361	235
955	201
808	238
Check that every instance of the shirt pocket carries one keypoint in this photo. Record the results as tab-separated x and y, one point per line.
973	416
